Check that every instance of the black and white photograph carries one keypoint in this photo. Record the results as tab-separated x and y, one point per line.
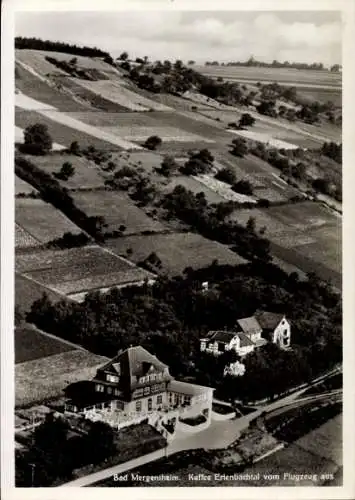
178	284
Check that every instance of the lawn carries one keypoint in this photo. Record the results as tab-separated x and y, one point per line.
117	209
45	378
176	251
86	175
41	220
78	269
27	291
61	133
32	344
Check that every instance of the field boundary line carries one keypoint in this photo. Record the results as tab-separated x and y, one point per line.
51	289
28	232
132	264
59	339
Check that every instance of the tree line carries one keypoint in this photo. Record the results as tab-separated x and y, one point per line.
48	45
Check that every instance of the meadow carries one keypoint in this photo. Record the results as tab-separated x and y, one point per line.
176	251
27	291
23	239
117	209
41	220
32	344
23	187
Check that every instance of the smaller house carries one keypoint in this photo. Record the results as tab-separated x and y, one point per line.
249	334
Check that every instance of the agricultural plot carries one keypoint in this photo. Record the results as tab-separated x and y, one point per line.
24	102
46	378
86	173
31	344
27	291
121	95
117	209
23	187
42	90
176	251
265	139
23	239
78	269
224	189
41	220
194	185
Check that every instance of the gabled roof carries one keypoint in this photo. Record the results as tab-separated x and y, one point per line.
132	364
268	320
221	336
244	340
249	325
187	388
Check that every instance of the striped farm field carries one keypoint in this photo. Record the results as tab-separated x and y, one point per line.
27	291
117	209
115	92
63	133
78	269
41	220
23	239
86	173
46	378
176	251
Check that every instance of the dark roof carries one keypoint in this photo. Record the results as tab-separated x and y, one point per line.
249	325
268	320
132	364
221	336
187	388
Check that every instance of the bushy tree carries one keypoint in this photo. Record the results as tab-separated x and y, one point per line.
227	175
246	120
153	142
168	166
37	139
243	187
67	170
239	147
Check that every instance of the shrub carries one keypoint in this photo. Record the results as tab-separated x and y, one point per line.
246	120
153	142
227	175
240	147
243	187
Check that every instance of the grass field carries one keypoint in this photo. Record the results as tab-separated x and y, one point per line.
46	378
121	95
41	220
61	133
176	251
78	269
32	344
86	175
34	87
27	291
23	187
117	209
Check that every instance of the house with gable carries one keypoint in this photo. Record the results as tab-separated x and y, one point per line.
249	334
133	385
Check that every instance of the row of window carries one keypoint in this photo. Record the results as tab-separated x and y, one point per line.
112	378
151	378
109	390
159	401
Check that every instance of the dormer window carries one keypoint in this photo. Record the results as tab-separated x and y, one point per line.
112	378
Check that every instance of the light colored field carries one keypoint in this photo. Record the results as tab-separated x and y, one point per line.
36	60
88	129
117	209
27	291
223	189
281	75
22	186
20	139
264	138
23	239
41	220
135	133
86	175
176	251
204	100
325	441
25	102
47	377
78	269
121	95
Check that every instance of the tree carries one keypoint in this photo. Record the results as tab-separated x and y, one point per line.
37	139
74	61
240	147
243	187
191	63
123	56
246	120
153	142
66	171
74	148
100	441
251	224
267	108
168	166
227	175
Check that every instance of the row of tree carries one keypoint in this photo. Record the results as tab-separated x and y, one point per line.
48	45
